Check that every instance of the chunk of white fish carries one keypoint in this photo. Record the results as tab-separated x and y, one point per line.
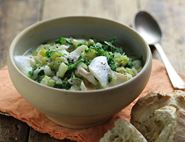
74	55
100	69
62	47
87	75
24	63
63	52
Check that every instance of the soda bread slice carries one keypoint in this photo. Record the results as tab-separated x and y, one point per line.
161	117
123	131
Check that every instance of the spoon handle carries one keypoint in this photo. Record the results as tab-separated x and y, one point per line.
176	80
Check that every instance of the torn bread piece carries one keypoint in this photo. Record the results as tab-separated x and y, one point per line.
123	131
161	117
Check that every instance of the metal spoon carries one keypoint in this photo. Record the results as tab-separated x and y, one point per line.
148	28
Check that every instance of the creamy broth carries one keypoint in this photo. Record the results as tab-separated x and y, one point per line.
79	64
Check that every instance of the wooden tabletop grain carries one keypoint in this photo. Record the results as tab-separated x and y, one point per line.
15	15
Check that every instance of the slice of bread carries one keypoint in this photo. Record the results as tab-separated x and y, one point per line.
123	131
161	117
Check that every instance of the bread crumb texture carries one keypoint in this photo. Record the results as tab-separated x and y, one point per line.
123	131
161	117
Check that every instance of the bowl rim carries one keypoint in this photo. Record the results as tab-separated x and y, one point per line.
39	23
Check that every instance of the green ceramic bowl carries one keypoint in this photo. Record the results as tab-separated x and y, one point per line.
78	109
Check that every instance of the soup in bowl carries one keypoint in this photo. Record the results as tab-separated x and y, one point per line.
79	64
79	71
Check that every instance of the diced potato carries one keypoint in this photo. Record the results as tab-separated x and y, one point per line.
55	55
43	60
42	52
62	70
48	81
47	70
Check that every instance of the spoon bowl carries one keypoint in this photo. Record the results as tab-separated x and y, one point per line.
148	27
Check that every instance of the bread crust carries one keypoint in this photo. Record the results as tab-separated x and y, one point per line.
161	117
180	128
123	131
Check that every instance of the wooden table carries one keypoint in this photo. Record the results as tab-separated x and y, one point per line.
15	15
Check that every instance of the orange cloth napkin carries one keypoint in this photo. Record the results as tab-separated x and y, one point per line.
15	105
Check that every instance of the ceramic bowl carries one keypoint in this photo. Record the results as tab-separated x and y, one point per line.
78	109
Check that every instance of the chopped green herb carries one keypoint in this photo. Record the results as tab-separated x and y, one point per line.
76	64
